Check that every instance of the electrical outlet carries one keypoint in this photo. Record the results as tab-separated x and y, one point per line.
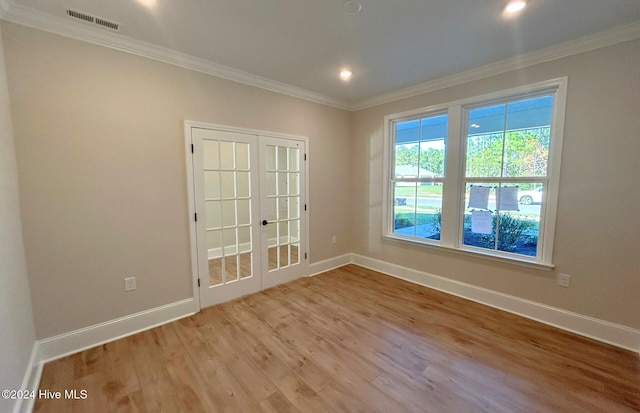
564	280
334	239
130	283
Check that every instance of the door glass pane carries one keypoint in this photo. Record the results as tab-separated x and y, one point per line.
283	208
273	258
284	255
272	209
242	156
294	184
282	183
271	183
215	271
231	268
295	254
244	239
229	241
243	187
270	162
210	155
294	207
272	231
228	184
211	185
214	244
226	155
213	214
294	159
244	212
294	227
283	160
228	213
245	265
283	236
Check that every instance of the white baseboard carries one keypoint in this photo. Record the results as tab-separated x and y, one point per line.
329	264
607	332
30	381
75	341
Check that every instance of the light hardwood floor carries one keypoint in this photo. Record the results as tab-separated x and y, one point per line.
350	340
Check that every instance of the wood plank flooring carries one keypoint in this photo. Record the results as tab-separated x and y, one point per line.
350	340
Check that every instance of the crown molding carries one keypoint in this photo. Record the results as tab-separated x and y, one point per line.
26	16
608	38
36	19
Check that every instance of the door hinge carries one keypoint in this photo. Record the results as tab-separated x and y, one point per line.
195	216
305	156
305	207
305	255
192	148
198	282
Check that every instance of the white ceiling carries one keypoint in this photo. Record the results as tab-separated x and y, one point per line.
389	45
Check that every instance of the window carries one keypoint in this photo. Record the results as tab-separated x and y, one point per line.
480	175
419	170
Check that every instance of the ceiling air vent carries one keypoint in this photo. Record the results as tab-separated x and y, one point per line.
107	23
93	19
80	16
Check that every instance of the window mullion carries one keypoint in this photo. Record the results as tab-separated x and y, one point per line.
452	184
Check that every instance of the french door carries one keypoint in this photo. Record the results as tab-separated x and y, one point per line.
249	211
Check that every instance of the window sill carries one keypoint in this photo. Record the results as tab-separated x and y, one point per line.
472	253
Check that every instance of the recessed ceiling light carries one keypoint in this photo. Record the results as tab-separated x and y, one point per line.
515	6
345	74
149	4
351	6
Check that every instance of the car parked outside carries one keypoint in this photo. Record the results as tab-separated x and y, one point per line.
529	197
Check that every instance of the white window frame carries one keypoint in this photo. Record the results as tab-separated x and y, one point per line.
453	182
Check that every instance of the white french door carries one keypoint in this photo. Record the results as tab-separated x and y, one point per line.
282	184
249	216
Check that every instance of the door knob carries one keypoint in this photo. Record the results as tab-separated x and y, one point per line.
264	222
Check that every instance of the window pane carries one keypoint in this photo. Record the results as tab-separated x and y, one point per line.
510	140
432	159
420	147
417	209
407	149
515	231
433	135
484	155
526	153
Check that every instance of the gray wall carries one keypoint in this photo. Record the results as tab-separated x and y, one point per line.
16	317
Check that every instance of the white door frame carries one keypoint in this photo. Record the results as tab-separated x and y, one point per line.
188	125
